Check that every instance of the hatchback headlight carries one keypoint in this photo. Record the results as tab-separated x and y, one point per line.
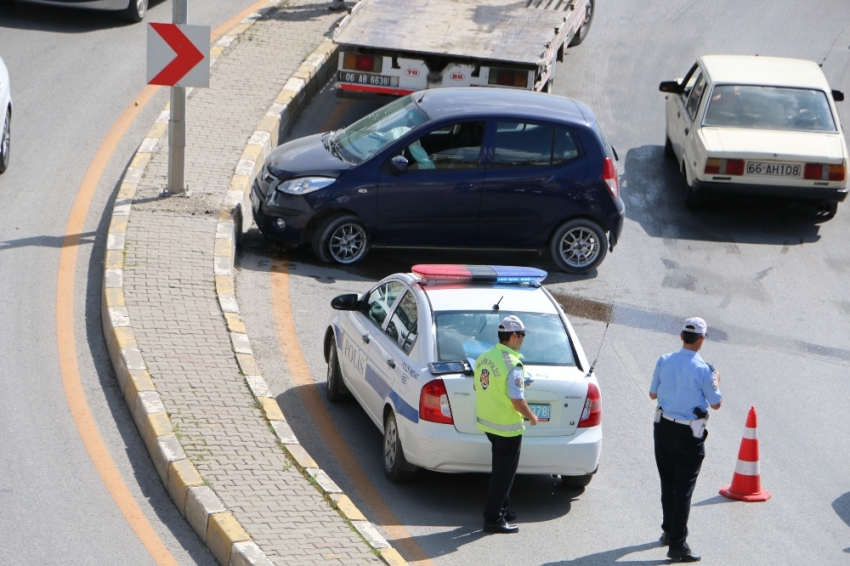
267	175
304	185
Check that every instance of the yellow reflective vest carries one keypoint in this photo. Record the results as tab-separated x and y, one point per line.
494	412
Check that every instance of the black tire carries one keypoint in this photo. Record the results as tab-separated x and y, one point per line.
581	34
6	142
576	482
341	239
579	245
826	210
396	467
693	200
337	391
668	147
136	10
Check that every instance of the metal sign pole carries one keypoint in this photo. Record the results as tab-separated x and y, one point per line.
177	120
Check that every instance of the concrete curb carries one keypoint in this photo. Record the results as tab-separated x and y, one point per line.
311	75
202	508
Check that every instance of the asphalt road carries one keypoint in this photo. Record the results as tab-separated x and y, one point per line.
769	280
72	74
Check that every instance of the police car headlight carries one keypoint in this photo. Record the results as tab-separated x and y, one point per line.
304	185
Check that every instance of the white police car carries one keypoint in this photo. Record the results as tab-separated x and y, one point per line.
405	351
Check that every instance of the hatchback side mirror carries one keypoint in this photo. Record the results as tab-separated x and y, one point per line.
347	302
670	86
838	96
399	164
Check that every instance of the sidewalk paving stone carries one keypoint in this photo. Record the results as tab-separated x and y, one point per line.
170	294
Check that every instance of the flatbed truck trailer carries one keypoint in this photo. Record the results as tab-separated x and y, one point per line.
395	47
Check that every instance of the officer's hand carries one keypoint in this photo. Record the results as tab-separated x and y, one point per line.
533	420
717	376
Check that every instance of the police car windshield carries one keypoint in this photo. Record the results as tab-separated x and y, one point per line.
366	137
466	335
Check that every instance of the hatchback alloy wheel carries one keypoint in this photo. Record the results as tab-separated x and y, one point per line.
579	246
348	243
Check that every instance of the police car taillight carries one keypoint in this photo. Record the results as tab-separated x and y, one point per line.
591	415
609	175
434	403
504	274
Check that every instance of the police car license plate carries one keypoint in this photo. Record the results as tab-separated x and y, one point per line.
542	411
367	79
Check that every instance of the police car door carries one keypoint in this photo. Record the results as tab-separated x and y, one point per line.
364	377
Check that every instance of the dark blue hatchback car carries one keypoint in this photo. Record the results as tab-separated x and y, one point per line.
450	167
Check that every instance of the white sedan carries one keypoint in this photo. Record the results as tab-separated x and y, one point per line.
405	351
757	127
5	117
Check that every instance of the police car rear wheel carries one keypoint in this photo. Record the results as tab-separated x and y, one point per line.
341	239
337	391
576	482
396	467
579	245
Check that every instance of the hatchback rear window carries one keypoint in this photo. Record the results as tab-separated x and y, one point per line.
769	108
465	335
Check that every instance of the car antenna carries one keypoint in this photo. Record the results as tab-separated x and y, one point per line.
830	47
496	306
604	332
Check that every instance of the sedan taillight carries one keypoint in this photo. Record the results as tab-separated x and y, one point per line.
591	414
434	403
824	172
715	166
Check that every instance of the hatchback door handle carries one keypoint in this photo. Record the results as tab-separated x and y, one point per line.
464	187
678	114
391	363
687	130
365	338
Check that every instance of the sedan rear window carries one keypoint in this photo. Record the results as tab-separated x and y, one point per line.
769	108
367	136
465	335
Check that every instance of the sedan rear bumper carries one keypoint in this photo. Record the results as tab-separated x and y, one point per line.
782	192
441	448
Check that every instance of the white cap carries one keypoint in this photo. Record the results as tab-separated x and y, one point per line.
512	323
695	325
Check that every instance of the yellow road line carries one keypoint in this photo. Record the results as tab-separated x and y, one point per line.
66	339
312	399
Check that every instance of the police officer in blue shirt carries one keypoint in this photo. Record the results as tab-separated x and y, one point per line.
685	386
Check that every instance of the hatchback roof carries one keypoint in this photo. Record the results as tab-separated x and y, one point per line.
754	70
473	102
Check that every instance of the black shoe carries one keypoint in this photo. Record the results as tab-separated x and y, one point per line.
510	516
683	555
665	539
502	527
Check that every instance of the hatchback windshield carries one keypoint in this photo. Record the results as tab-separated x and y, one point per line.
366	137
466	335
769	108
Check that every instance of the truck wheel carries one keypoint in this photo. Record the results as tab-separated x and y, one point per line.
579	245
341	239
396	467
337	391
581	34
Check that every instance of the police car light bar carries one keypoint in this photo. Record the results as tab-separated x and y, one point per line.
453	273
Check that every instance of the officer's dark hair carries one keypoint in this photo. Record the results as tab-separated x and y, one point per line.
690	337
504	336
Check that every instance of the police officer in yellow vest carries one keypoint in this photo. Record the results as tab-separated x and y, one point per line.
499	410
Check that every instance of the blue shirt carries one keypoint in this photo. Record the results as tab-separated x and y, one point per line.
683	381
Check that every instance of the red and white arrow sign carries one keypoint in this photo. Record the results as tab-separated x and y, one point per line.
178	55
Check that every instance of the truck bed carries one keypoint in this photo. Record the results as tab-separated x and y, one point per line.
518	31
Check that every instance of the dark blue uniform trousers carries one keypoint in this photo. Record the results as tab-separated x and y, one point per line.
678	456
505	451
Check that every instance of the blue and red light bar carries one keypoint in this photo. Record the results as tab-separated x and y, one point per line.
455	273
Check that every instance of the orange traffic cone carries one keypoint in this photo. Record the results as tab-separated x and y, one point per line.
746	483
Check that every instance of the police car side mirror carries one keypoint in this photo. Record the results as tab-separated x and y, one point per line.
670	86
837	96
399	164
347	302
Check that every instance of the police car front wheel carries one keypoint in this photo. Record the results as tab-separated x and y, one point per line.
396	467
337	391
579	245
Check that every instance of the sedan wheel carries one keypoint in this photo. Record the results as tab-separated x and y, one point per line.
579	246
395	465
136	10
342	239
5	142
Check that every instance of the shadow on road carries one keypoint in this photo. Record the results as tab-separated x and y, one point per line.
842	508
654	192
613	556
